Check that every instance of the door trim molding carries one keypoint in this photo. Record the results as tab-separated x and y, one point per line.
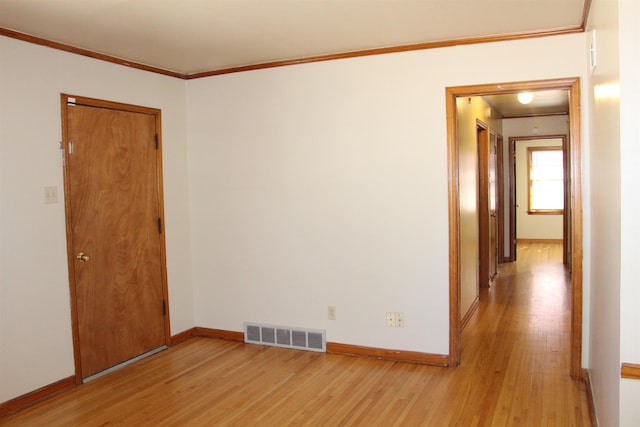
65	99
572	85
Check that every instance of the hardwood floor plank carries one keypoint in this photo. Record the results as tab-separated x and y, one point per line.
514	372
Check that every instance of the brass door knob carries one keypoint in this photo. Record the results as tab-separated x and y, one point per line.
82	257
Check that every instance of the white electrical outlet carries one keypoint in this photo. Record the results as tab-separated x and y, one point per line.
51	194
331	312
395	319
399	320
391	319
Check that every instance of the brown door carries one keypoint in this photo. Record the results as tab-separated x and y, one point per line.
484	276
492	205
500	199
116	249
566	221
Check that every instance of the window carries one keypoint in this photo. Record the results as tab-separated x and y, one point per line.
546	180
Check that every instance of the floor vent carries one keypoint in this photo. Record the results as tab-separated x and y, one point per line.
284	336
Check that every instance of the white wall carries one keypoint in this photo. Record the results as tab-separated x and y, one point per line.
531	226
629	40
606	235
35	323
469	110
326	184
526	127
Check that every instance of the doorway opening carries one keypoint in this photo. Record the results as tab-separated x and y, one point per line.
457	241
521	221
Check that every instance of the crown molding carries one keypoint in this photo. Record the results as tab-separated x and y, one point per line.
297	61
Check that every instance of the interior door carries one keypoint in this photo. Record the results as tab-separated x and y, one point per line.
493	203
500	199
484	251
114	231
513	253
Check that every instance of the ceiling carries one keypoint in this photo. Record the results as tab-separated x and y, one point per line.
544	103
189	37
192	38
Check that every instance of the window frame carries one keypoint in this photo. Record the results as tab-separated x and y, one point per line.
530	151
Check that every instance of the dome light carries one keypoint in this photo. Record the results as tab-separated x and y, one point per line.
525	97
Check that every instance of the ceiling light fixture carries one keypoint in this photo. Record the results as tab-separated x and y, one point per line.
525	97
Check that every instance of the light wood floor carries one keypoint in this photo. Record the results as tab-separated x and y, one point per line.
514	371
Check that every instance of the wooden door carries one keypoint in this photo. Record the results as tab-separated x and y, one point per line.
500	200
482	138
492	205
513	253
115	245
566	220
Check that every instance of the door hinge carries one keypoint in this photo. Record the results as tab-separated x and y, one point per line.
62	154
157	144
159	226
164	308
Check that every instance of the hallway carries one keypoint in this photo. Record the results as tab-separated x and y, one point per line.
514	371
518	341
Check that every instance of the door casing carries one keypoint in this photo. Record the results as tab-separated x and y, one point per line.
572	85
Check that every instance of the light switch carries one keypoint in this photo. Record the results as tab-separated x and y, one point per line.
51	195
